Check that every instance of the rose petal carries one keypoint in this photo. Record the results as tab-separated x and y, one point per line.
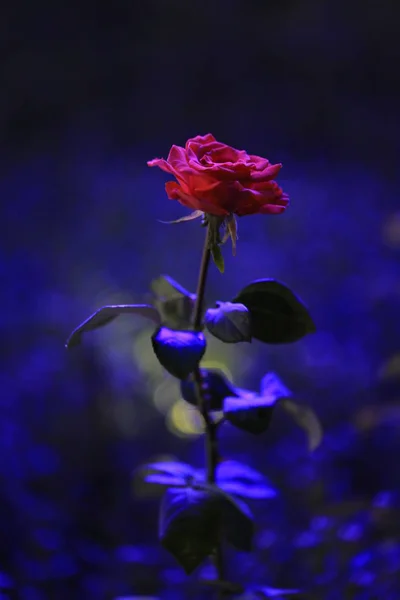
270	172
177	161
196	153
254	201
161	163
197	150
259	163
201	139
223	171
273	209
175	192
169	168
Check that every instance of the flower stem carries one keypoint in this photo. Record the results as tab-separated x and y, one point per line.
210	426
211	454
201	285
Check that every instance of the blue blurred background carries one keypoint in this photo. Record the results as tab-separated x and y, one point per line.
90	92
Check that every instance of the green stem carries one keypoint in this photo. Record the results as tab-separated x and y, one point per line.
210	426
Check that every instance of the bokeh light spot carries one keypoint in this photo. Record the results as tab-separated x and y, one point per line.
143	354
217	364
166	394
391	368
184	420
391	231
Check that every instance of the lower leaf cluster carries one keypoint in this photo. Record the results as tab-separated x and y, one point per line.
195	518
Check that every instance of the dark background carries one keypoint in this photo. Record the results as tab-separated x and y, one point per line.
88	93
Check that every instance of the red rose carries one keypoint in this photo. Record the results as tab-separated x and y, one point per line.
220	180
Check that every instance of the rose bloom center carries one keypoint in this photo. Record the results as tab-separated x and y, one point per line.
220	156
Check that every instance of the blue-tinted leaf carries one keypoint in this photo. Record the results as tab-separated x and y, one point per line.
167	480
249	411
168	473
233	470
237	478
229	322
215	388
189	525
277	314
305	418
106	314
171	468
179	352
254	492
272	385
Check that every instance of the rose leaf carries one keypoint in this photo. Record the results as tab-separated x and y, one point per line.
106	314
179	352
189	525
218	258
278	316
229	322
249	411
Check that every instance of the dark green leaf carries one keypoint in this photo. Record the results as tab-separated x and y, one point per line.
179	352
231	225
189	525
249	411
277	315
176	312
215	388
305	418
218	258
192	518
236	519
106	314
238	525
165	287
174	303
230	322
